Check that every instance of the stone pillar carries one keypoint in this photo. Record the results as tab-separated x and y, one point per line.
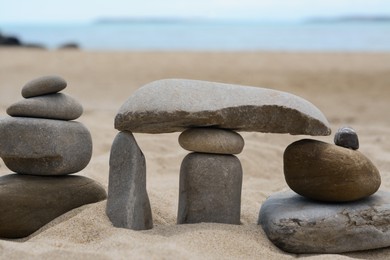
211	177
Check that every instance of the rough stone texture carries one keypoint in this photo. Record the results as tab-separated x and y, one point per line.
43	85
128	202
29	202
347	137
51	106
299	225
44	146
211	140
210	189
172	105
327	172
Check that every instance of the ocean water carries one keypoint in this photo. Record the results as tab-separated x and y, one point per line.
209	36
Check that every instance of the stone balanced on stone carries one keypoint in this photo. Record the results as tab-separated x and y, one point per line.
208	113
42	145
335	212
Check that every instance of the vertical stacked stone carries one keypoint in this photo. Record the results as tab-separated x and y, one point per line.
210	177
42	144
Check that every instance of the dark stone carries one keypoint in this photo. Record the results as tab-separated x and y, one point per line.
43	85
328	172
44	146
69	45
299	225
128	203
29	202
173	105
9	41
210	189
51	106
347	137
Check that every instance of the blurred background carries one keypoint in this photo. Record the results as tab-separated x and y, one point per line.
215	25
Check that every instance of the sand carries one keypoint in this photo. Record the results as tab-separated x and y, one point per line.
350	89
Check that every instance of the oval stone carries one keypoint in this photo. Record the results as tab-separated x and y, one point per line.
29	202
327	172
211	140
44	146
52	106
43	85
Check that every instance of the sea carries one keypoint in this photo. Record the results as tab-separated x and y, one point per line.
208	35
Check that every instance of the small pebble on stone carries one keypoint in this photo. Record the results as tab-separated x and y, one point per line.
43	85
346	137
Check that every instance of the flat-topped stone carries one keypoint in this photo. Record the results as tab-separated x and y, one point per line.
51	106
29	202
44	146
43	85
171	105
211	140
299	225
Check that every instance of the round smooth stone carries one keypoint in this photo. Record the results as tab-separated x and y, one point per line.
347	137
29	202
328	172
211	140
43	85
44	146
51	106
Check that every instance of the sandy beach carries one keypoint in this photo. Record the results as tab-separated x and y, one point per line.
350	89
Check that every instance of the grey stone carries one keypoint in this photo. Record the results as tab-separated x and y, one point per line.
51	106
347	137
44	146
29	202
173	105
211	140
328	172
128	203
299	225
43	85
210	189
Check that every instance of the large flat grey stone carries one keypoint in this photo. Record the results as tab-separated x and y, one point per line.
299	225
29	202
44	146
175	104
210	189
43	85
128	203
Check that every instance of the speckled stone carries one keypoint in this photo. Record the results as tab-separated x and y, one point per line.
302	226
347	137
43	85
210	189
172	105
328	172
51	106
44	146
211	140
29	202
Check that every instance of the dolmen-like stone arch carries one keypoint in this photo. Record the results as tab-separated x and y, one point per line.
208	114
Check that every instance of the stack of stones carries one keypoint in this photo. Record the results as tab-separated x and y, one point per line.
43	146
211	167
336	211
207	114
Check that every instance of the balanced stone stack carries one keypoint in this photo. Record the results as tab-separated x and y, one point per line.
211	177
336	211
207	114
43	146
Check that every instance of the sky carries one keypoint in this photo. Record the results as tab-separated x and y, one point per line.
266	10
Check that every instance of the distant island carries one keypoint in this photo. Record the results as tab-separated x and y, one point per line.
350	19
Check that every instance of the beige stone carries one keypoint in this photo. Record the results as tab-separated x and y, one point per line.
327	172
211	140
